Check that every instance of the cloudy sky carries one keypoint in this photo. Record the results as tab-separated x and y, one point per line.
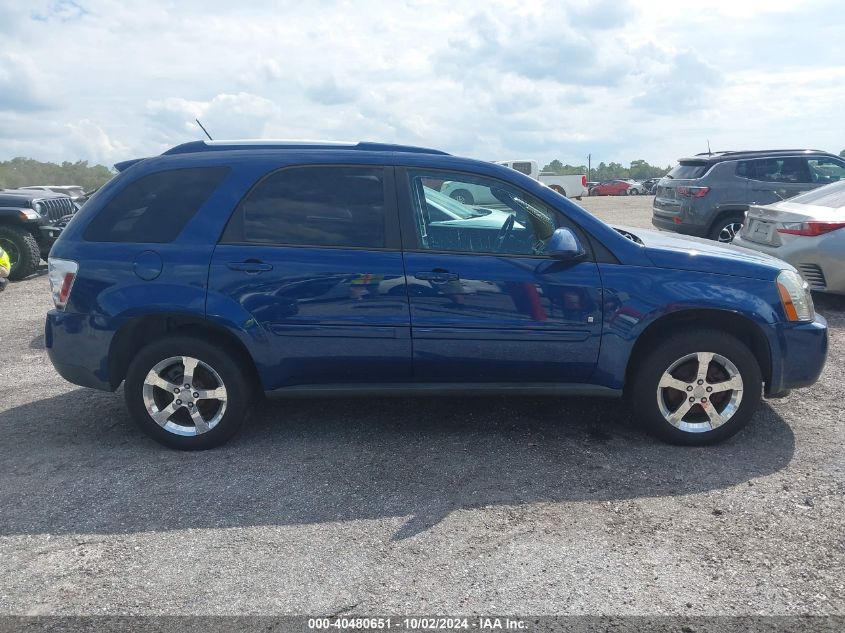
106	80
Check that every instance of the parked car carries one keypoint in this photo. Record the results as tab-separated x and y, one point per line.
569	186
217	271
30	222
650	185
74	192
611	188
636	188
707	195
808	231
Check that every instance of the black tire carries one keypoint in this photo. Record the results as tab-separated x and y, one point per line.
644	388
230	370
22	250
727	223
463	196
559	189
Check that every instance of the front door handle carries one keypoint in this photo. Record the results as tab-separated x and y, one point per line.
252	266
437	276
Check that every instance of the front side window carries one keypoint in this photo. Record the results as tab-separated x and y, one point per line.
478	215
314	206
155	208
826	170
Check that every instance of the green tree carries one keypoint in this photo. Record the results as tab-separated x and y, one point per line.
22	172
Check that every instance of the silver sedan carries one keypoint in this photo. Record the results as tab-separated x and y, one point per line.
808	231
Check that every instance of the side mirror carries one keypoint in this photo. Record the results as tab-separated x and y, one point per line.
563	245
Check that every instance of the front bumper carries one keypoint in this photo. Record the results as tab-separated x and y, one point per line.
799	352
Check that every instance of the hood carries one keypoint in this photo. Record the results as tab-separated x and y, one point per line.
17	196
681	252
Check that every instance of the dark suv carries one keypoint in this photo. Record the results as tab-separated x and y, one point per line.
707	195
218	271
30	221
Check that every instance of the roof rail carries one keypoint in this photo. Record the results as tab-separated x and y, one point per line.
210	146
762	151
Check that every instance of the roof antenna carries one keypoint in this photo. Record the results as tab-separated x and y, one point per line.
204	130
708	142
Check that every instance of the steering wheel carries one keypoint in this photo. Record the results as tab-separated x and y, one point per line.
504	233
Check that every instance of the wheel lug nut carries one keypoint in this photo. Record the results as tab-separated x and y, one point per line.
196	395
177	390
689	388
709	389
704	399
178	401
692	399
700	382
187	386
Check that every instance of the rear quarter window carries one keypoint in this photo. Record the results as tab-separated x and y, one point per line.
156	207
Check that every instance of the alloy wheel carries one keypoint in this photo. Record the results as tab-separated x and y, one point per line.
184	396
699	392
729	231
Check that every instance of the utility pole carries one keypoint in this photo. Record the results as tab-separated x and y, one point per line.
589	165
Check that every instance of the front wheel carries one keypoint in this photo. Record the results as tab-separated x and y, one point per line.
187	394
22	249
696	388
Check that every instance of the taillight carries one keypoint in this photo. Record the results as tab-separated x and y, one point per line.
583	181
812	228
62	274
691	192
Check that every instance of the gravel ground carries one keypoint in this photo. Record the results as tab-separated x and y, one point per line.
395	506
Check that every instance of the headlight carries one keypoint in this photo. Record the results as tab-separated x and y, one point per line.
28	214
795	296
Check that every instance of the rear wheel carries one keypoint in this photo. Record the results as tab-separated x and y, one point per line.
22	249
726	229
696	388
559	189
187	394
463	196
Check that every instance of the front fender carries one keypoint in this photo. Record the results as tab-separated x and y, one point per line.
636	298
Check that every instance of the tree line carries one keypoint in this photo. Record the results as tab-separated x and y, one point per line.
639	170
22	172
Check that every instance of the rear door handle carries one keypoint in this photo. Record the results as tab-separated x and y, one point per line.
250	266
437	276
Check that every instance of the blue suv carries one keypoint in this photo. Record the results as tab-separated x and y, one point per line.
219	271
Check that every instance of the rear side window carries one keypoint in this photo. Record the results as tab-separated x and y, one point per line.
523	168
688	170
788	170
156	207
314	206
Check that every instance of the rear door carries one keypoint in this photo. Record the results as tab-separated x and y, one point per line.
774	179
486	304
312	256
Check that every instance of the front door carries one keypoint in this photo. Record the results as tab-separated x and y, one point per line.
487	304
312	257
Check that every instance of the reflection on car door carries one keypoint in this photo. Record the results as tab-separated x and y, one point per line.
482	313
312	256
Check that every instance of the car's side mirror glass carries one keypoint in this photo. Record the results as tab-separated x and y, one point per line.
564	245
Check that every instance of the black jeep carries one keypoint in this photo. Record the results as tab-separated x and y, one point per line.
30	221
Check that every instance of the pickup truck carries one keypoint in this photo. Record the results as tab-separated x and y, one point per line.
30	221
573	186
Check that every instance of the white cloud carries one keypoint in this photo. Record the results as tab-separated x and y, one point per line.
108	80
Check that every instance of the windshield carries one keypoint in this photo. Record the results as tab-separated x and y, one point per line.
832	196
